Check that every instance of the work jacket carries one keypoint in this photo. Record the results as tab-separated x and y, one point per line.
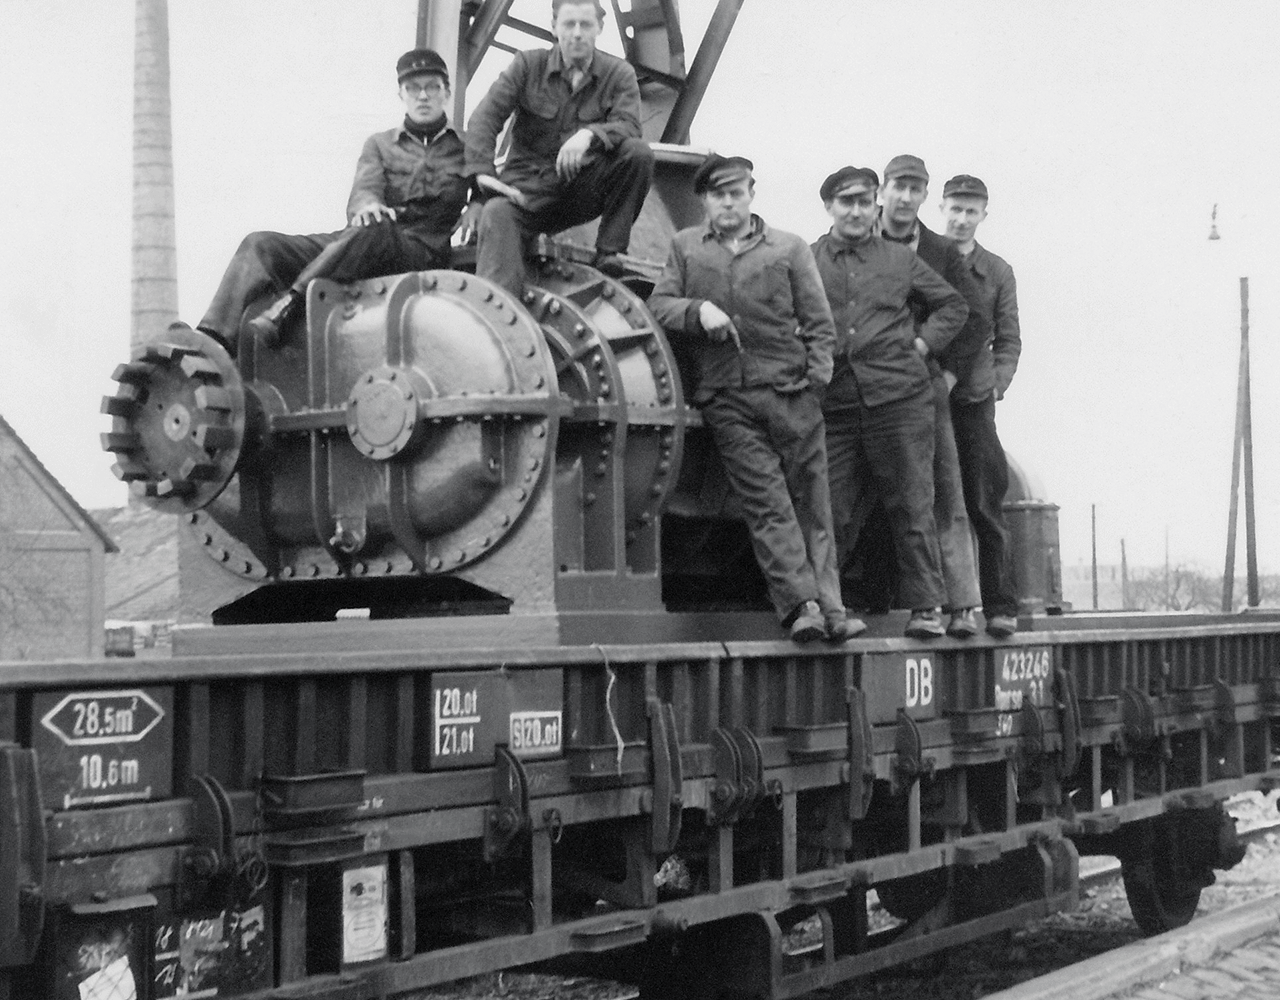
537	90
993	367
872	287
965	349
423	181
771	291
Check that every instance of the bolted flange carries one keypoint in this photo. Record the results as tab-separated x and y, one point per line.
177	420
382	411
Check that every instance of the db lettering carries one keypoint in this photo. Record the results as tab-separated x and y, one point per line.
919	682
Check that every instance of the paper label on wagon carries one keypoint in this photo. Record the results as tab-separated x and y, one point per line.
364	914
105	746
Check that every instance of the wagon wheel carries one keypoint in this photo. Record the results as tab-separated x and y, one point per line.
1163	890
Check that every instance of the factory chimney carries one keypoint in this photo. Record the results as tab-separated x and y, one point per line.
155	267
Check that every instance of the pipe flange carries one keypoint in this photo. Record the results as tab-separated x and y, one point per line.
382	411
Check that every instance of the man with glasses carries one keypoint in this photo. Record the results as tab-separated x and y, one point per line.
408	193
576	152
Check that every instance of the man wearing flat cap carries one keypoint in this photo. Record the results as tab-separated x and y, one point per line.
906	185
749	299
880	407
983	469
576	152
408	192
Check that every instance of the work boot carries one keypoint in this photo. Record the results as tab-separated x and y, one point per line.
925	623
227	345
611	264
1001	626
963	624
841	626
268	325
807	623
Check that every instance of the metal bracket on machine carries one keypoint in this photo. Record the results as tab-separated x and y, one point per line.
1221	728
862	770
1034	743
1140	727
909	762
213	870
22	856
739	768
1069	716
666	802
509	817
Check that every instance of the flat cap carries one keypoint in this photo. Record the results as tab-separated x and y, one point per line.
421	61
848	179
964	184
906	165
716	171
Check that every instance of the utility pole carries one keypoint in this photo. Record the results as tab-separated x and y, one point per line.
1242	452
1093	536
1124	578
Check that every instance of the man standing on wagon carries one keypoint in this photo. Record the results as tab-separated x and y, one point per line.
905	187
881	404
749	297
576	151
983	468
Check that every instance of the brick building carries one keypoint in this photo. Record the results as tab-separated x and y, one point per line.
51	562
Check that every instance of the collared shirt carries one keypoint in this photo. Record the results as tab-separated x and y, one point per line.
423	181
770	289
998	293
538	89
872	286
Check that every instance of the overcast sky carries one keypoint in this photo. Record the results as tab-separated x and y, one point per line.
1105	131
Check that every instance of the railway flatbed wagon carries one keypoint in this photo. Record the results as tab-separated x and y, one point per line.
361	808
475	674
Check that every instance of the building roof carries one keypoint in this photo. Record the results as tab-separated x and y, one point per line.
6	429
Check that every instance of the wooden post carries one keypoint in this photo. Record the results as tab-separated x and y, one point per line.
1241	449
1250	536
1125	604
1093	536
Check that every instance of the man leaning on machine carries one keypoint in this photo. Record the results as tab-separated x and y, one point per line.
749	299
408	192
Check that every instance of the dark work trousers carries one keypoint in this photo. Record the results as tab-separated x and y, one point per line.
268	263
612	186
773	450
985	475
886	453
955	538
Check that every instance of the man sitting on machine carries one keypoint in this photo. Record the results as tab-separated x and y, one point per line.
408	193
576	152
